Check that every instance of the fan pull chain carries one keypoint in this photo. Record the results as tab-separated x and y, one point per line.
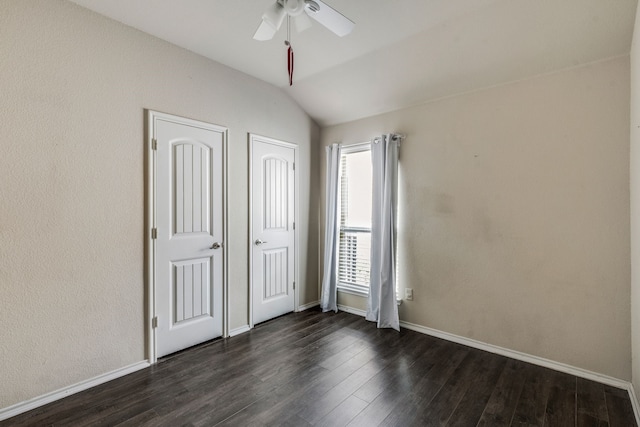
287	43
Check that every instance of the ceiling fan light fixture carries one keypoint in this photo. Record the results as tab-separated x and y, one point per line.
294	7
312	6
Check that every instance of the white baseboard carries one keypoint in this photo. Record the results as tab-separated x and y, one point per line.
309	305
352	310
44	399
239	330
517	355
36	402
634	402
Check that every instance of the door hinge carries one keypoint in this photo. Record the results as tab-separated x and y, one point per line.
154	233
154	144
294	166
154	322
294	225
294	286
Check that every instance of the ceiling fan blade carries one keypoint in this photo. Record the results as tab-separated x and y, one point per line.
272	19
264	32
331	18
302	22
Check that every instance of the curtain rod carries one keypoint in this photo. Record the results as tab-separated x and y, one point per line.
394	136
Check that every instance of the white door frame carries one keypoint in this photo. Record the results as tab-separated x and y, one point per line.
296	249
150	297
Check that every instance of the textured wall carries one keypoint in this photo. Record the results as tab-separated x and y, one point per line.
73	87
514	214
635	203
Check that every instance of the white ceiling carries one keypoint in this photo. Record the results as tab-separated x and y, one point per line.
401	52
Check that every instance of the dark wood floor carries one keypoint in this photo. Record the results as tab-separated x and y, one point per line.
337	369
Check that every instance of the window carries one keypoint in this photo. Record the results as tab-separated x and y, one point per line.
355	218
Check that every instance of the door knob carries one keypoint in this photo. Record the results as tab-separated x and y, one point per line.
259	242
216	245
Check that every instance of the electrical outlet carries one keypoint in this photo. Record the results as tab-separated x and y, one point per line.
408	294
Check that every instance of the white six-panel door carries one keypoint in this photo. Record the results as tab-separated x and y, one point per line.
272	228
188	269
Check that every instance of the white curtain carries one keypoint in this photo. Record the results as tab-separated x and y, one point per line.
329	300
381	306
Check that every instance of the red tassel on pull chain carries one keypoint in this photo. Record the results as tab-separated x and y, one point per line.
290	64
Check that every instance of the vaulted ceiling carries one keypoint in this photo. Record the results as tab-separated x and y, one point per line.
401	52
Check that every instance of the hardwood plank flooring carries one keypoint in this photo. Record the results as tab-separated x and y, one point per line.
318	369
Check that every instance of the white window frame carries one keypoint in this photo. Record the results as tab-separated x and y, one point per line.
350	288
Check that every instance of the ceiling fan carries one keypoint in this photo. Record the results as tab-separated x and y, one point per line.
300	11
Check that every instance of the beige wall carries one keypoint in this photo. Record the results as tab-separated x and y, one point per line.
635	203
514	214
74	86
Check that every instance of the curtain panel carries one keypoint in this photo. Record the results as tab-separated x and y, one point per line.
381	305
329	297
